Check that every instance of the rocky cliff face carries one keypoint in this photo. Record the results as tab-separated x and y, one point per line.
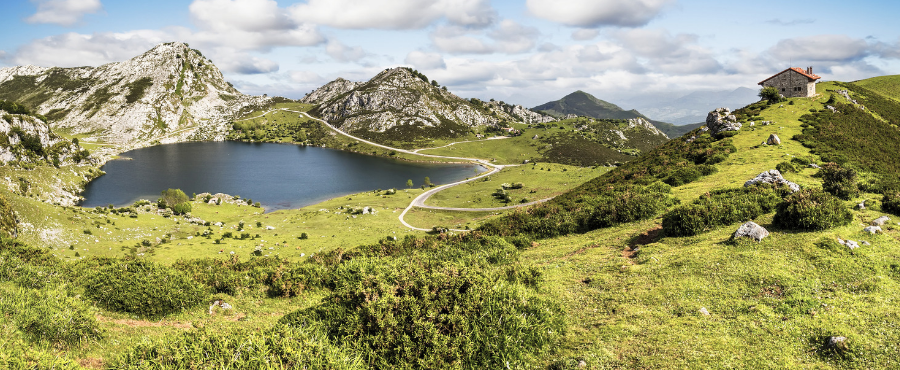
168	94
27	139
399	105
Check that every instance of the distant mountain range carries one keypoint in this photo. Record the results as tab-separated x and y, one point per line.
580	103
693	107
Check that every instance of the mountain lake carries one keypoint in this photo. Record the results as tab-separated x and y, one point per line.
279	176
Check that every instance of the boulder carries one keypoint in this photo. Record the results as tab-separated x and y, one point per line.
773	140
836	342
881	221
861	206
704	311
772	177
751	230
872	229
721	120
813	165
848	243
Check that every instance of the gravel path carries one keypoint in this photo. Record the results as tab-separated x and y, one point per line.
419	201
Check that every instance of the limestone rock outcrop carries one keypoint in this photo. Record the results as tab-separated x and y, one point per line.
772	177
168	94
751	230
721	120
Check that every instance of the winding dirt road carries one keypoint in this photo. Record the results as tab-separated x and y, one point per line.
419	201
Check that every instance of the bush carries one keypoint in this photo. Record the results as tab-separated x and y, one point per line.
811	209
721	207
143	288
172	197
182	208
683	176
785	167
50	315
839	181
891	202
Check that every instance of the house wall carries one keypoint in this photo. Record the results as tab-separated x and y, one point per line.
792	84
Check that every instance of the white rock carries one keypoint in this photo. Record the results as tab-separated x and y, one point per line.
772	177
751	230
881	221
872	229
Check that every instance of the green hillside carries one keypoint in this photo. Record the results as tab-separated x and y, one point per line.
886	86
581	103
636	268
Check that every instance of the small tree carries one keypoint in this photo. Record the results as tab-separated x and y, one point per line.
409	183
172	197
428	182
182	208
770	94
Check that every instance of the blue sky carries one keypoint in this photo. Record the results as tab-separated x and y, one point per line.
526	52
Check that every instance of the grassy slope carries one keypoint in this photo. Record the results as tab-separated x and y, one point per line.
886	86
772	303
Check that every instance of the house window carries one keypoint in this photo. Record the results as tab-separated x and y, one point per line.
782	89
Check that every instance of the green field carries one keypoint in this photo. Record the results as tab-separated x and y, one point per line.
886	86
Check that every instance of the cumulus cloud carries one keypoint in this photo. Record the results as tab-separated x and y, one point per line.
242	63
344	53
305	77
675	54
250	25
394	14
74	49
505	37
821	48
63	12
598	13
584	34
423	60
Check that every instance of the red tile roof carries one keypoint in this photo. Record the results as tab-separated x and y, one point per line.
795	69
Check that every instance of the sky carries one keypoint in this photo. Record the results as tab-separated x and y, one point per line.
523	52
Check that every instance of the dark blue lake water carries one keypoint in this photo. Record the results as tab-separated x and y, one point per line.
279	176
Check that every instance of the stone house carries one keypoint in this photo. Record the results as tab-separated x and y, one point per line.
793	82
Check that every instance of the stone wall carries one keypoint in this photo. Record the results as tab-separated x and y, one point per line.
792	84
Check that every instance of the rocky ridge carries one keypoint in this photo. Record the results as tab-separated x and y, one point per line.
399	100
170	93
28	139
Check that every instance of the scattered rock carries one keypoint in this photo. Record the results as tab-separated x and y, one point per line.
721	120
534	137
704	311
773	140
219	303
813	165
848	243
861	206
751	230
881	221
270	227
582	364
872	229
836	342
865	243
772	177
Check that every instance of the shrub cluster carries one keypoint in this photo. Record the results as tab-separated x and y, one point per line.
143	288
610	206
722	207
891	202
281	347
839	181
464	302
811	209
50	315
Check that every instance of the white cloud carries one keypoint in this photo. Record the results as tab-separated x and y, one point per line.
241	63
305	77
75	50
344	53
679	54
821	48
249	25
394	14
63	12
584	34
423	60
598	13
505	37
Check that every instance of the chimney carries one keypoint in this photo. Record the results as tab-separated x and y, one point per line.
809	70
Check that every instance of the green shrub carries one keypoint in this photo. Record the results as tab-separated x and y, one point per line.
785	167
683	176
720	208
448	307
172	197
811	209
182	208
891	202
839	181
143	288
50	315
282	347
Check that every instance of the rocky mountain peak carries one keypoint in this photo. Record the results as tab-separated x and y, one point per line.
170	93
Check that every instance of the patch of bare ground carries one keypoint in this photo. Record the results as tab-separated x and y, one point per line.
644	238
146	324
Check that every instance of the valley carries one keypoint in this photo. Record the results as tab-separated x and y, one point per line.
622	254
